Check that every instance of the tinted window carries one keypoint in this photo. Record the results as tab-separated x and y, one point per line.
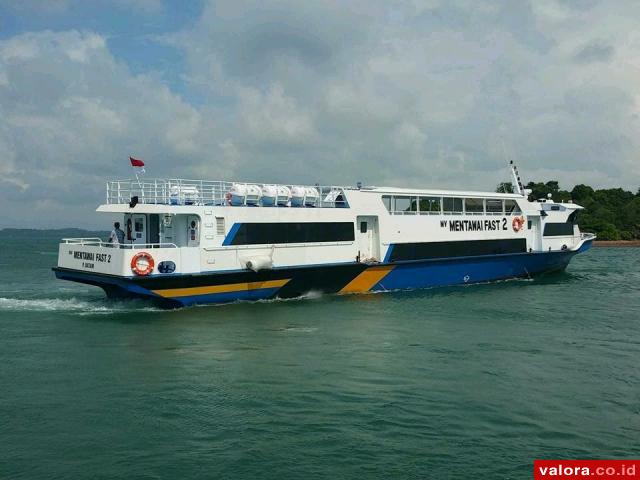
474	205
402	204
430	204
452	204
494	206
386	201
363	227
511	207
269	233
573	218
558	229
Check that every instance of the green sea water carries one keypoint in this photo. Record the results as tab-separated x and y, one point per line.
467	382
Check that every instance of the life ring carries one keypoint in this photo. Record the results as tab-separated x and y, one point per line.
142	263
517	223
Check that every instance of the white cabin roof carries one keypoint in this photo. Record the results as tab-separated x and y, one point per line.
437	193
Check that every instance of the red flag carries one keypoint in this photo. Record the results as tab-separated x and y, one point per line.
136	163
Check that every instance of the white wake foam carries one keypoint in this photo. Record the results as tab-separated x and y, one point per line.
67	305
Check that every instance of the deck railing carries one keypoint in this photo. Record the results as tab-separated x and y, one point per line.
98	242
177	191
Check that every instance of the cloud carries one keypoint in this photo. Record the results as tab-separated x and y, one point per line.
597	51
469	79
71	114
433	93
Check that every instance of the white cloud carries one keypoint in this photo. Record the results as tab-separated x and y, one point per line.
274	118
551	82
69	124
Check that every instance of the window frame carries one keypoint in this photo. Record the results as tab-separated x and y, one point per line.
390	204
473	200
486	206
516	211
453	200
430	202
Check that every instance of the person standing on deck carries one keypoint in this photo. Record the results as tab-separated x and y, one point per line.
117	236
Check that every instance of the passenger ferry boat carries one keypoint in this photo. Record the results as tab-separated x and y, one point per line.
191	242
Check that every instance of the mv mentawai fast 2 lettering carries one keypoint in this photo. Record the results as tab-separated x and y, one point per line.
474	225
92	256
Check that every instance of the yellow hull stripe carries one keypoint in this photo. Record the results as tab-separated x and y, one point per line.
230	287
367	279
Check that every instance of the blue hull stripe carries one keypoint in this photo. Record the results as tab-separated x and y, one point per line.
387	256
232	234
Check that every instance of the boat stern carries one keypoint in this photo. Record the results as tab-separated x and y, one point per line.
112	267
585	243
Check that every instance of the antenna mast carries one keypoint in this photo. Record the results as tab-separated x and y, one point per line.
517	183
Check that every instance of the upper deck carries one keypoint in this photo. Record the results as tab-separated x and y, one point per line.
178	191
170	195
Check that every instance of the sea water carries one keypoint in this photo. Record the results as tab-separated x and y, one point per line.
467	382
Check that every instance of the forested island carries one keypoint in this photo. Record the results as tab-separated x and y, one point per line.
612	213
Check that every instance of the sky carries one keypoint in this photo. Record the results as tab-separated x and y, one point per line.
413	93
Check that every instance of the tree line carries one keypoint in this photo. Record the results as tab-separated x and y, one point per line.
612	213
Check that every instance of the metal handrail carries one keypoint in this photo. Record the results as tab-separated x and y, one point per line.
177	191
98	242
145	245
81	240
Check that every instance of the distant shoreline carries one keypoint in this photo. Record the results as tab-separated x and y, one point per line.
616	243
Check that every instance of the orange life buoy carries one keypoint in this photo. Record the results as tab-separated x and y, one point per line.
142	263
517	223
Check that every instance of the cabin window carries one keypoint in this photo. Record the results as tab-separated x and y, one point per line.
154	228
494	206
220	226
429	205
386	201
401	204
363	227
138	224
511	207
474	205
452	205
558	229
405	204
304	232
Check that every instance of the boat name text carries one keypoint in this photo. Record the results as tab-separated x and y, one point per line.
91	256
474	225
